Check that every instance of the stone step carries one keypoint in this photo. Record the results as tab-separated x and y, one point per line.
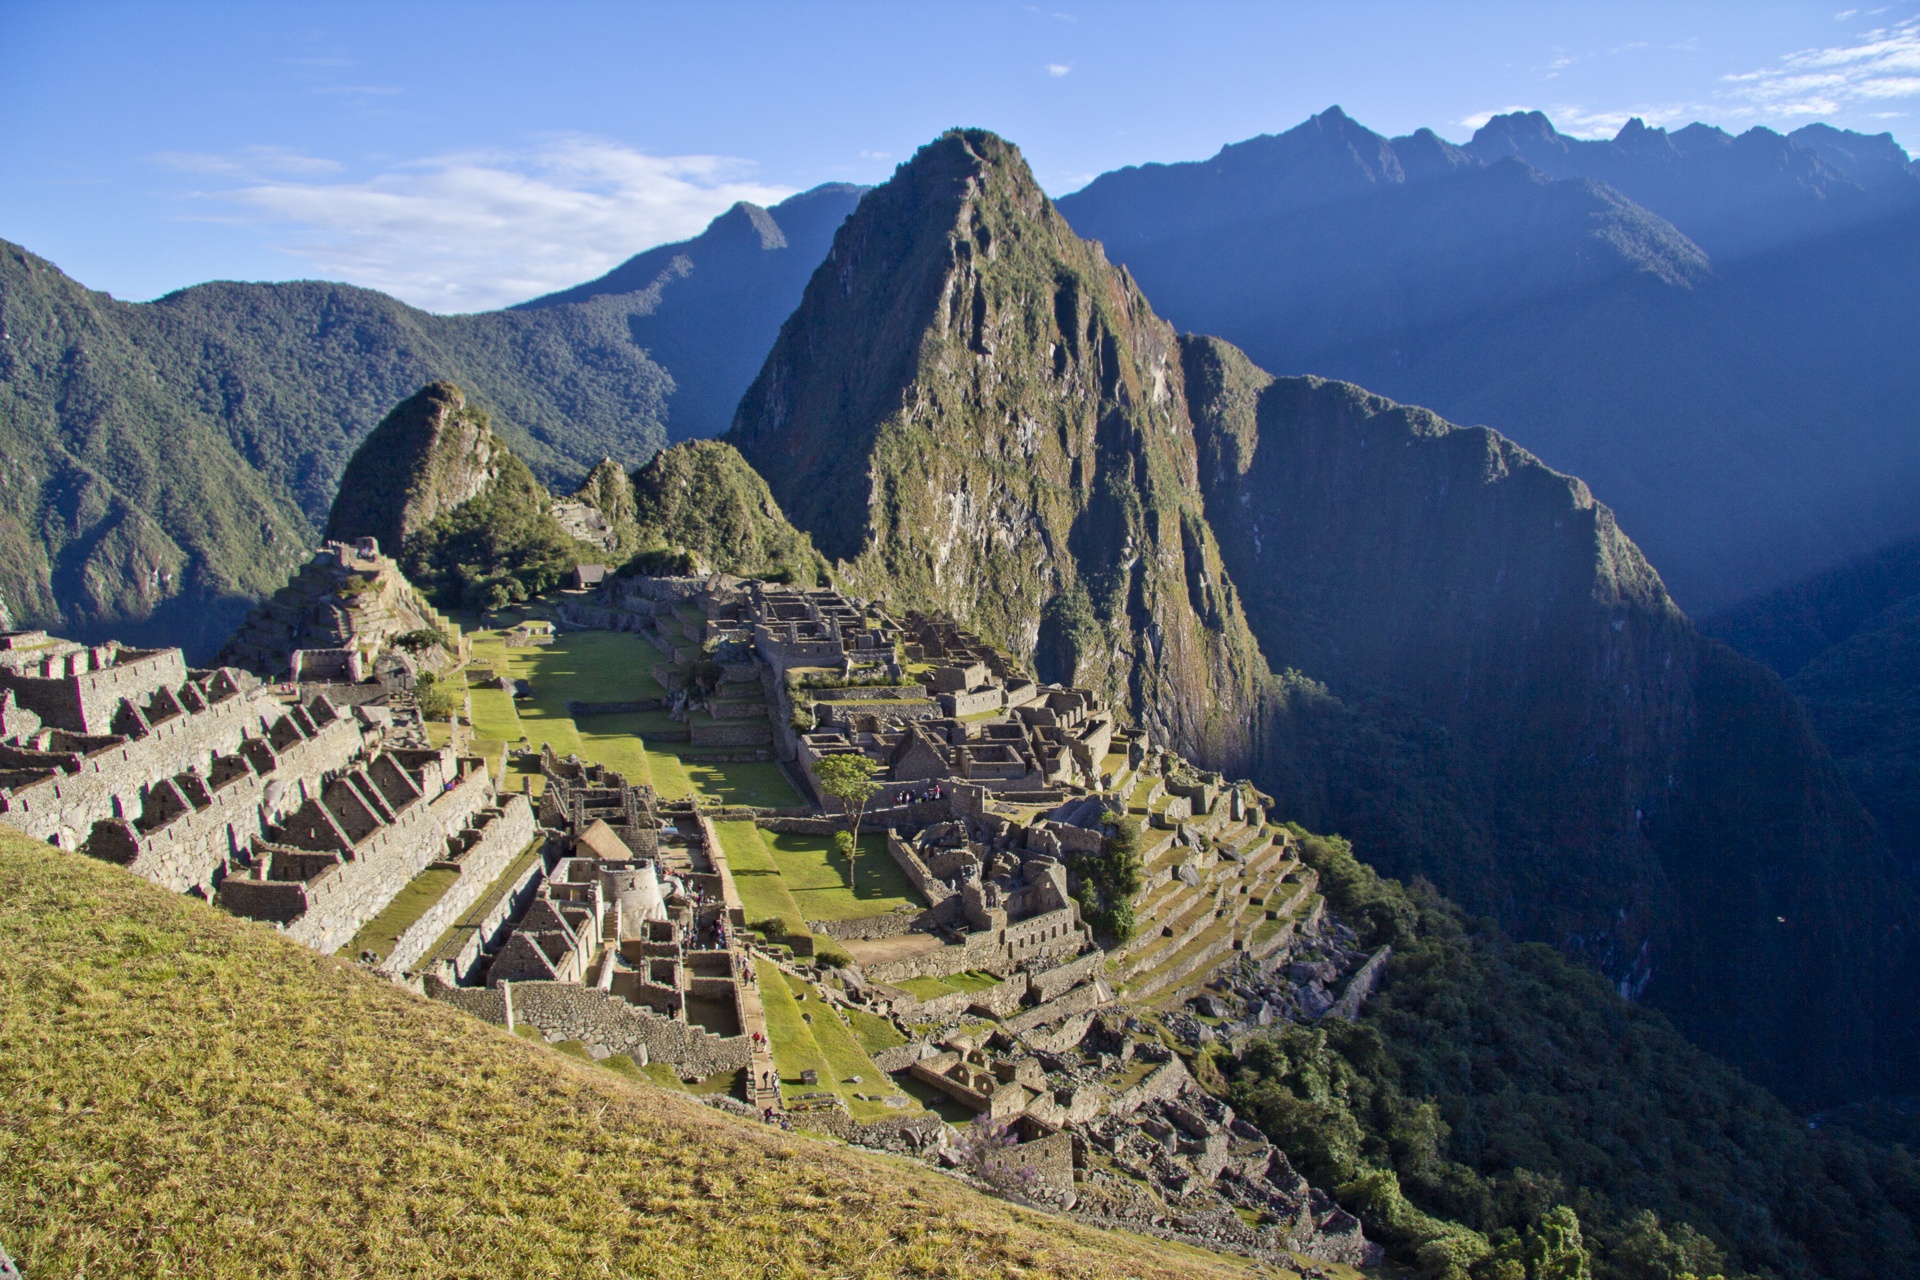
1201	952
1195	920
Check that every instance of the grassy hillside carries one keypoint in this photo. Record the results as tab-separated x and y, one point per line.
186	1094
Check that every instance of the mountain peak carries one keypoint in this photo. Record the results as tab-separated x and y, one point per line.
973	412
433	452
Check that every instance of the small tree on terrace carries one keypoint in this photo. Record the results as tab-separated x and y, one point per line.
849	779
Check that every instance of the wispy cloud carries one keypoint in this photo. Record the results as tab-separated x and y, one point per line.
248	162
1880	65
1578	122
1058	68
478	230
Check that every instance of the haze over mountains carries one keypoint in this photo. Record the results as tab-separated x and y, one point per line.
1714	332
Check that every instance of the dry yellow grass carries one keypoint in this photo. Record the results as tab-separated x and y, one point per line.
187	1095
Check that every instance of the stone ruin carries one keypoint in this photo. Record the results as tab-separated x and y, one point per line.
300	814
340	612
631	942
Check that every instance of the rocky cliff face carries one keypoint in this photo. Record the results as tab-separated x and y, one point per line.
1633	793
972	411
429	455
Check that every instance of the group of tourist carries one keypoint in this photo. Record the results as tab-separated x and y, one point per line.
925	795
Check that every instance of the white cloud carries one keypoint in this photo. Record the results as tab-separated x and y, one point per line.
1881	65
1578	122
1058	68
248	162
479	230
1479	119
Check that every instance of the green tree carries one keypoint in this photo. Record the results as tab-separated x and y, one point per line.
848	778
422	639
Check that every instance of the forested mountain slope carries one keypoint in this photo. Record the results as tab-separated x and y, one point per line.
1848	642
1710	330
167	461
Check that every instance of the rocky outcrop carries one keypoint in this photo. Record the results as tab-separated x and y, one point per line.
429	455
972	411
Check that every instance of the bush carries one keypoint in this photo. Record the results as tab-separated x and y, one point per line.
418	641
662	562
828	952
438	697
1109	879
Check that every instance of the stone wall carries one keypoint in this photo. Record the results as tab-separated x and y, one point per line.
345	896
187	851
504	836
1162	1083
1082	999
707	732
565	1011
459	961
110	780
81	691
903	1134
1361	985
931	887
489	1004
1050	983
868	928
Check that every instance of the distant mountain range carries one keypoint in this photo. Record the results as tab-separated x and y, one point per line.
1715	332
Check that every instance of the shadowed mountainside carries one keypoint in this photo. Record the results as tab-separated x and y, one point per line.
1644	798
1848	641
717	300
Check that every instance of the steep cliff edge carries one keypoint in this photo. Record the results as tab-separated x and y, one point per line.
972	411
1639	795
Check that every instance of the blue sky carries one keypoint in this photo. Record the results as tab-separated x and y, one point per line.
465	155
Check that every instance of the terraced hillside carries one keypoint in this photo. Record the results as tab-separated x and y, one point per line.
176	1080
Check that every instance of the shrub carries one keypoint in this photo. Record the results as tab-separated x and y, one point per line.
438	697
